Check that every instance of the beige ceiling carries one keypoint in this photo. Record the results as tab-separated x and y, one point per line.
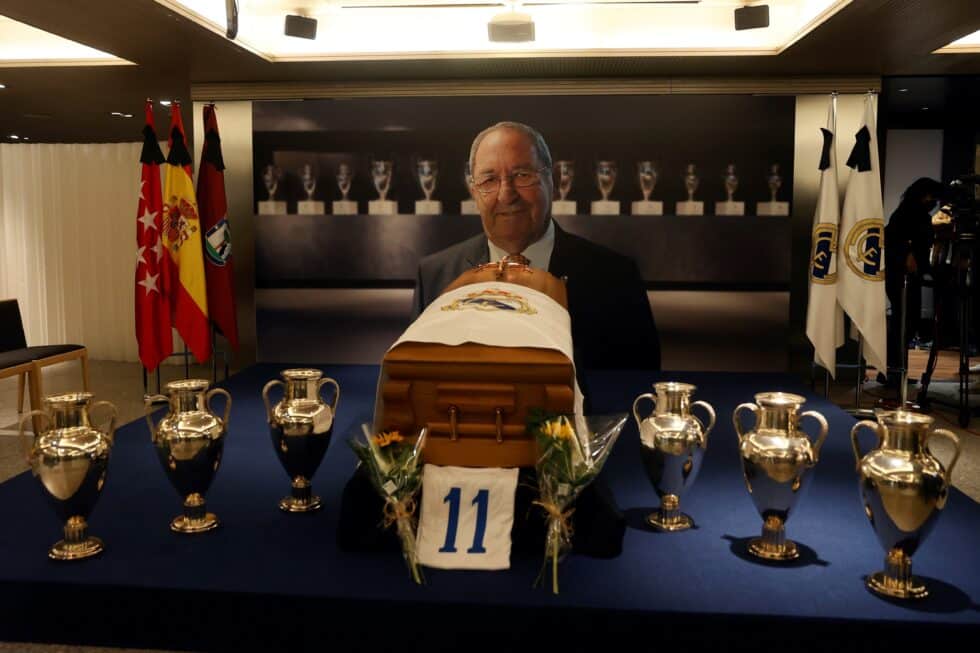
866	38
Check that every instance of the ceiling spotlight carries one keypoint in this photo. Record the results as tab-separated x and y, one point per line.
120	114
166	103
903	90
511	27
3	86
752	17
300	27
14	137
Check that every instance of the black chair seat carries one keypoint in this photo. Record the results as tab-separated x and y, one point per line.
28	354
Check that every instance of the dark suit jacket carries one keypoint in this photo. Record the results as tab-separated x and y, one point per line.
612	325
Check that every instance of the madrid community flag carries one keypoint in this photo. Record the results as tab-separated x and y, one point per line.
824	317
152	306
182	240
861	286
217	232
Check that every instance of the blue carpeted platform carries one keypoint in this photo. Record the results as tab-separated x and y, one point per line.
269	579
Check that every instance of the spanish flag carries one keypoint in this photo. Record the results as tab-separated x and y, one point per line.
182	240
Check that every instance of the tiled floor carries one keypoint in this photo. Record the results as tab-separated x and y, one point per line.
122	382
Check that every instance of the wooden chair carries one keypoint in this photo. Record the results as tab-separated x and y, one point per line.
17	359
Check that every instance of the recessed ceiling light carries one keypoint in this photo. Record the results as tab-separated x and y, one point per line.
166	103
903	90
14	137
120	114
3	86
925	108
26	138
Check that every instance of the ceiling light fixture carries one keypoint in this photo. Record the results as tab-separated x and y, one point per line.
300	27
3	86
231	18
511	27
903	90
165	103
751	17
14	137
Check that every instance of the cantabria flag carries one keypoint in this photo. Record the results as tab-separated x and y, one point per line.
861	283
824	317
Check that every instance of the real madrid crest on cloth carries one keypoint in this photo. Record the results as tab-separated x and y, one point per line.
492	299
823	257
863	249
218	242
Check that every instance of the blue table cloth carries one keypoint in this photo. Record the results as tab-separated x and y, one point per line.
266	578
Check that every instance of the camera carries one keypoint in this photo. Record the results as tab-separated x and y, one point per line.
956	223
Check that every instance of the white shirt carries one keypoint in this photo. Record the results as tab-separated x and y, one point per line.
538	252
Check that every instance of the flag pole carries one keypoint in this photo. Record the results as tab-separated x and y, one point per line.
187	363
903	390
860	373
214	358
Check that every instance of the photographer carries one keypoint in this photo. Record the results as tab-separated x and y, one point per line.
908	238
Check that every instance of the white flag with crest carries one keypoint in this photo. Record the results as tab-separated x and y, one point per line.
861	282
824	317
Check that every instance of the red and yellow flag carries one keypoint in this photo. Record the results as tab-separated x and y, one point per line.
183	242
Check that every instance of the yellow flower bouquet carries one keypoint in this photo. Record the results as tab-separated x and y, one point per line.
567	461
394	466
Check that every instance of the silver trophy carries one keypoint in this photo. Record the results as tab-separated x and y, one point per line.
731	182
566	175
345	175
605	174
774	180
381	175
691	181
271	177
428	174
308	177
646	172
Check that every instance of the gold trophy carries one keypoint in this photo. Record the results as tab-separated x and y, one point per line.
904	487
71	458
776	456
189	441
673	444
301	425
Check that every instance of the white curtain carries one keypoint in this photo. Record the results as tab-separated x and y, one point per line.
67	242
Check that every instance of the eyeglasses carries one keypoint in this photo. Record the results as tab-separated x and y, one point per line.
489	184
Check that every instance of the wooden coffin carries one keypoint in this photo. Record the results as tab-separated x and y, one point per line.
475	398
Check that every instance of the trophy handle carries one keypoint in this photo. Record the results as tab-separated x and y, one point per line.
711	417
148	410
265	397
738	424
111	431
28	441
636	415
956	456
824	429
219	391
336	392
868	424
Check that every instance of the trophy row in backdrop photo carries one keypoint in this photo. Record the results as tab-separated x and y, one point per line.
902	486
606	174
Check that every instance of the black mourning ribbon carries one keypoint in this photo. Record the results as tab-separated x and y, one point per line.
828	141
179	156
151	149
212	150
860	158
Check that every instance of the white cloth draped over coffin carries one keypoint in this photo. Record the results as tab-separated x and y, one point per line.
496	314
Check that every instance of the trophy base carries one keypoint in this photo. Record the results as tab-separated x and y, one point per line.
729	208
344	207
293	504
310	208
382	207
428	207
64	550
604	207
772	208
468	207
272	208
885	585
564	207
186	525
647	207
670	524
760	548
690	208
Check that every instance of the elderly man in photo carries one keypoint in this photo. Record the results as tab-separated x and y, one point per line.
511	181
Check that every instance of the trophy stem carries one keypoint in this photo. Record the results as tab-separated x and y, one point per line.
773	544
669	518
896	581
77	543
196	518
302	498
